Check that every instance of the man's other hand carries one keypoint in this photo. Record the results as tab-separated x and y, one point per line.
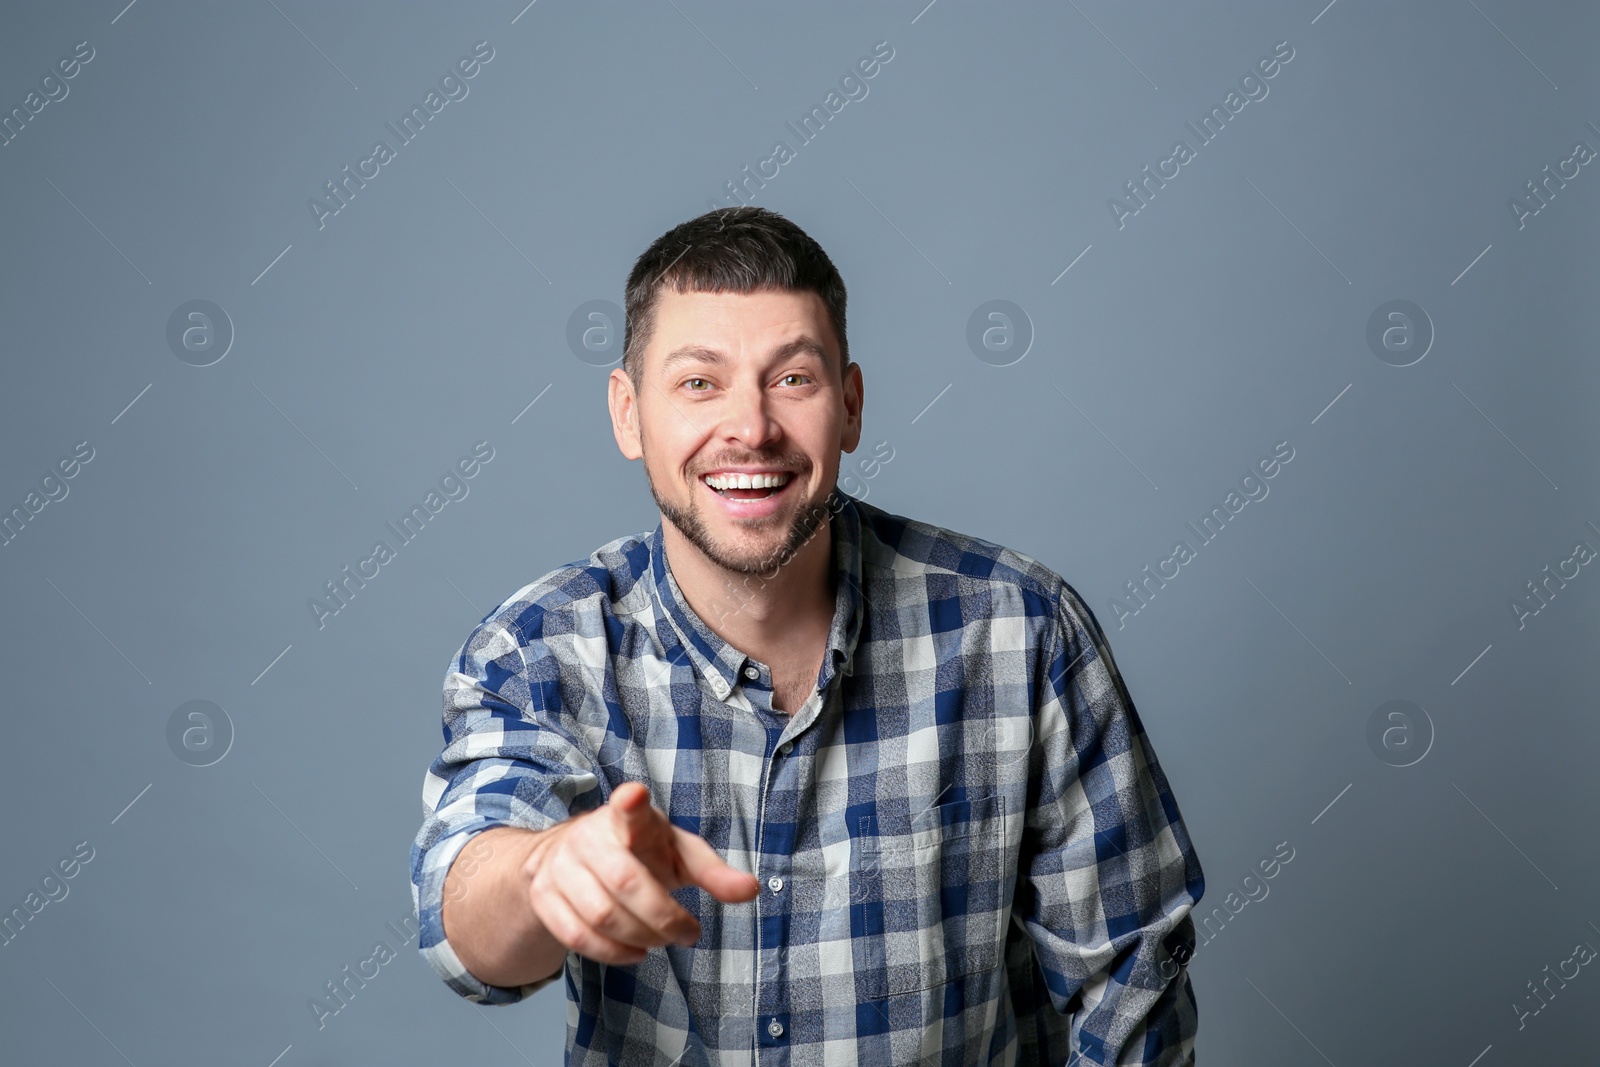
598	882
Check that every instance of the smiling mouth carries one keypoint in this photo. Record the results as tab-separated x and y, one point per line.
747	486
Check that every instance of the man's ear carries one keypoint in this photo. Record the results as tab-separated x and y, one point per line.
624	406
854	398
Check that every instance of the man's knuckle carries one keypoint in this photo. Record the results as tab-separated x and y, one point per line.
540	877
602	914
563	928
625	877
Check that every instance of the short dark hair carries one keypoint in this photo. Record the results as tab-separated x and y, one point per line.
743	249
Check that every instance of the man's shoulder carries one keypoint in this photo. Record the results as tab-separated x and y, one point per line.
604	580
981	577
900	545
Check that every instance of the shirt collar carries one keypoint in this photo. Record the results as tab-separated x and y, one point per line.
718	661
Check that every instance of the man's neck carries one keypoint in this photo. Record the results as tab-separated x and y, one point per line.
774	615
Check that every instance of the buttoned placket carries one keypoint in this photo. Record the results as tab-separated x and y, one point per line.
746	686
772	901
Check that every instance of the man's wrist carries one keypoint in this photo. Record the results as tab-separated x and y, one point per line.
488	912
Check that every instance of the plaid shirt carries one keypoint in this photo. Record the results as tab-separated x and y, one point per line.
967	851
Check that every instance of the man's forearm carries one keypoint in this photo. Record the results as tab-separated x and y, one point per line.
487	915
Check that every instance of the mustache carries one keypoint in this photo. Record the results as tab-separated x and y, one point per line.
795	466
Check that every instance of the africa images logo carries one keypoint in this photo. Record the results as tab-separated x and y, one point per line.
1143	190
454	86
810	127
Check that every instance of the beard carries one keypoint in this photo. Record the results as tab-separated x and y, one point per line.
805	521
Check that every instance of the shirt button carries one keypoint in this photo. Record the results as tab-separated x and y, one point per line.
752	673
775	884
786	748
775	1028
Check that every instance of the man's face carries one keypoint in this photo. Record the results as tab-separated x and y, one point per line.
740	383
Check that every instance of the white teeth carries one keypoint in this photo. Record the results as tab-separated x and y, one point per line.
746	481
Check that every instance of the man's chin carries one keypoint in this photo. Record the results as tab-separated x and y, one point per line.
749	554
752	546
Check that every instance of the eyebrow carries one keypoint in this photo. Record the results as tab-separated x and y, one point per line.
700	353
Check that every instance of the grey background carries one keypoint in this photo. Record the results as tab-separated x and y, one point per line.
372	353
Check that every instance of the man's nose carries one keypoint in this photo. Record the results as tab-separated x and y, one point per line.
748	418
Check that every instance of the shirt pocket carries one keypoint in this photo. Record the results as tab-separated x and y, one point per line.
930	896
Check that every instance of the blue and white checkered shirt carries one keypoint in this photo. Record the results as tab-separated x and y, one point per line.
967	851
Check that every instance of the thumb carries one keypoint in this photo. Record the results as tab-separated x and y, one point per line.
708	870
632	803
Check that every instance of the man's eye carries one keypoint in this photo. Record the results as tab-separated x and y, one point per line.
691	381
786	377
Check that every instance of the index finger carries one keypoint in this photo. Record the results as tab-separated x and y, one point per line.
711	872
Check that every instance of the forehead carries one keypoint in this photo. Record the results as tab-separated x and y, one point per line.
749	324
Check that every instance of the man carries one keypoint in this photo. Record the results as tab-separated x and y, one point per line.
792	778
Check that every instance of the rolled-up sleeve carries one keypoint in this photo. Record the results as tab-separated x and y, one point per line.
507	761
1107	875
